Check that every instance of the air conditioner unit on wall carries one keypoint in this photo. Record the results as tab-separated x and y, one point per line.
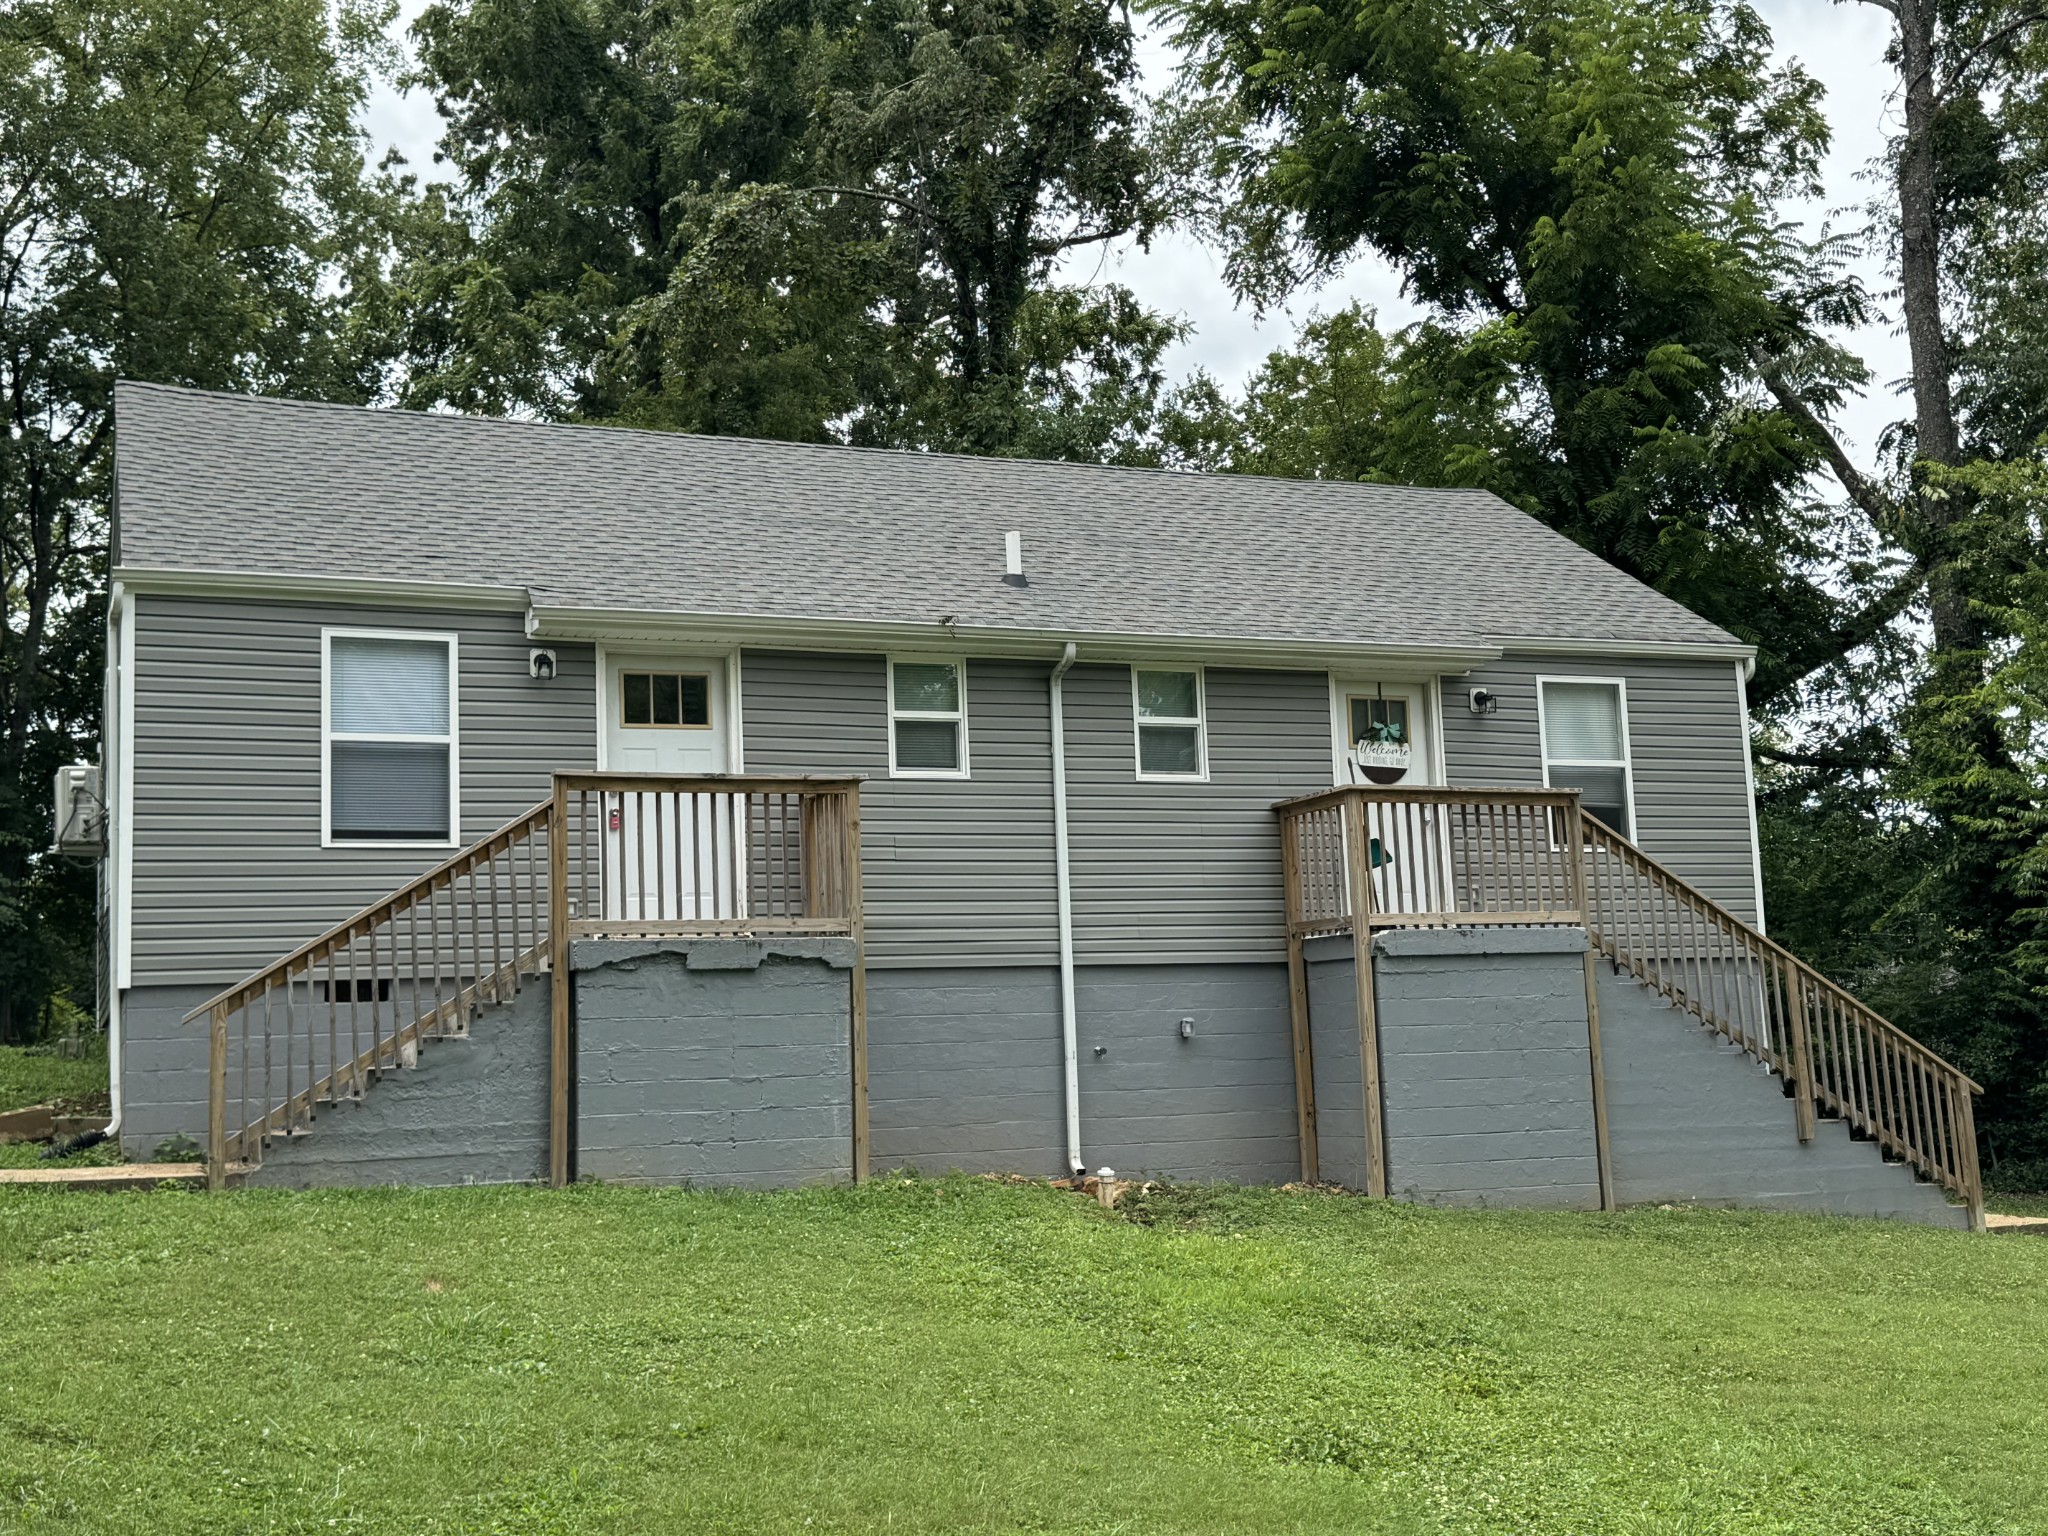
81	814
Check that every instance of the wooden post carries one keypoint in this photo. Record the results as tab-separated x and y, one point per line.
562	1064
1297	1003
1358	878
857	985
1802	1053
1601	1144
1966	1158
217	1099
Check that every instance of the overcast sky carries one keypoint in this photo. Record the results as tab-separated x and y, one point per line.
1841	44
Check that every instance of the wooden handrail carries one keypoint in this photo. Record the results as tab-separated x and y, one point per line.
1835	1053
1614	841
1428	793
518	829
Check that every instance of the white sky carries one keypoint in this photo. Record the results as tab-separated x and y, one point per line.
1841	44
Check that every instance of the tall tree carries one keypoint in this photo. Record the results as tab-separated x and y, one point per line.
798	218
182	199
1581	196
1954	790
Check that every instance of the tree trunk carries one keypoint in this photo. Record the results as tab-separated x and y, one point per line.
1934	416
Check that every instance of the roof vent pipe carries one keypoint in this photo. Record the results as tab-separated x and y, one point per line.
1013	559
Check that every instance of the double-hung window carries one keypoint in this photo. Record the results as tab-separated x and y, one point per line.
1171	740
388	715
927	719
1585	746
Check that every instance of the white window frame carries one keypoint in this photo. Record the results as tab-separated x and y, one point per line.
1200	722
453	740
1627	762
958	716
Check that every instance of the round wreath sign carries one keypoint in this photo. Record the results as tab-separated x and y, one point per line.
1382	754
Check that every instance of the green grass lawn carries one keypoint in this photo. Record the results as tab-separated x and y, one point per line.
37	1075
974	1356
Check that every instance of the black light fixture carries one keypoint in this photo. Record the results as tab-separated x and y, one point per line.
540	665
1484	701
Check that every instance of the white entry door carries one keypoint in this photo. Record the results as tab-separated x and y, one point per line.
670	855
1372	722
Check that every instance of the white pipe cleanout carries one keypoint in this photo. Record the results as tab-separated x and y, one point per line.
1069	1027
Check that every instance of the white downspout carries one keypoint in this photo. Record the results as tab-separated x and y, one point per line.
1069	1024
113	811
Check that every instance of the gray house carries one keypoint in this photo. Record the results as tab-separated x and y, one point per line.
496	801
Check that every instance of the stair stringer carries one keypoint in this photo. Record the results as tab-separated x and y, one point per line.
1693	1119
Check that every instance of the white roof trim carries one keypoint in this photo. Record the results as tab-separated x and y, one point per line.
544	622
260	585
562	622
1676	650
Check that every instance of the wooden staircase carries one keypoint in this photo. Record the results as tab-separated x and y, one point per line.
605	856
321	1025
1838	1059
1437	857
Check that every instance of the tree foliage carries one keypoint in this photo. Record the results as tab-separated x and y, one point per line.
182	199
792	218
1582	196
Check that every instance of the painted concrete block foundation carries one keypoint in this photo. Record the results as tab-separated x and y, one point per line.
713	1061
1692	1119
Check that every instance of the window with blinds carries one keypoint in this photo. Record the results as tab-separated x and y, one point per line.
390	734
927	720
1585	747
1168	706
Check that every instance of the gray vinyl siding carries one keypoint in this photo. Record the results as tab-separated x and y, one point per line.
1177	872
955	871
1688	746
961	871
229	871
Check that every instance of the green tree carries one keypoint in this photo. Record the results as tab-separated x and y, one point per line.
182	199
801	219
1581	195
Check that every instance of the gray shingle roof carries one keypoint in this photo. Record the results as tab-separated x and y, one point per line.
663	522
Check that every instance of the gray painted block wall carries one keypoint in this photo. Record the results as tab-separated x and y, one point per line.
474	1111
964	1070
1692	1119
1487	1067
163	1068
1335	1062
1216	1105
713	1061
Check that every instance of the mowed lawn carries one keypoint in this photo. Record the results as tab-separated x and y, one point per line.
968	1355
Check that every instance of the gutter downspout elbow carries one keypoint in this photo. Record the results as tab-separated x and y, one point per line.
1069	1022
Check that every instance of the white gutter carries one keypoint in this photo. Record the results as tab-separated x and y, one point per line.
1069	1021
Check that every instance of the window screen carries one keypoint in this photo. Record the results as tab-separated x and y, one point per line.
390	739
1169	723
1585	748
927	719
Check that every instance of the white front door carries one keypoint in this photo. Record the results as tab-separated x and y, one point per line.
670	855
1385	734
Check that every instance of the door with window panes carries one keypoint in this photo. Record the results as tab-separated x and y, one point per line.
1408	852
667	715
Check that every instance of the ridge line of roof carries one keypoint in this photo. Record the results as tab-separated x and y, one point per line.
915	455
